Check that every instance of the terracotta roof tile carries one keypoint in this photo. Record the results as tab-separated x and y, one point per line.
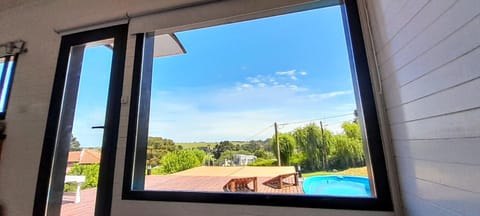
74	156
90	156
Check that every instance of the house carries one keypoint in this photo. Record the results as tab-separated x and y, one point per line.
243	160
424	62
85	156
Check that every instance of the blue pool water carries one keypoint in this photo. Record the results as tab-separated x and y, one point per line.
352	186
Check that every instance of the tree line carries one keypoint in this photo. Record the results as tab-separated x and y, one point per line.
316	148
312	147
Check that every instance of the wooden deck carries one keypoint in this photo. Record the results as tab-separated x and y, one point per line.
200	179
210	184
85	207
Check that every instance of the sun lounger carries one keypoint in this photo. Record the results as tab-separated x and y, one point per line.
280	182
241	185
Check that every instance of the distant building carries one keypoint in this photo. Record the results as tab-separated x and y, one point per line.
86	156
243	160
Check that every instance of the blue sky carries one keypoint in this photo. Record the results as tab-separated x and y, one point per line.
237	79
92	96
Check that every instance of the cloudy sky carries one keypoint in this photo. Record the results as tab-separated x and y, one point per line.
236	80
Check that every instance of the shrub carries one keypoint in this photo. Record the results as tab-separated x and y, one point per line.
90	171
157	171
264	162
178	161
261	153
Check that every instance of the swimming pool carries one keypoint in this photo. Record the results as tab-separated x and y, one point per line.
352	186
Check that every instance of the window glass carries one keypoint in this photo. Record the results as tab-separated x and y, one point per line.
264	106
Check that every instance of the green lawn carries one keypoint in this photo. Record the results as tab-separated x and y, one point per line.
196	145
360	171
205	144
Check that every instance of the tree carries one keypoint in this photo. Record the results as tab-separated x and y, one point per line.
251	146
348	152
157	147
287	147
222	147
352	130
261	153
74	144
315	145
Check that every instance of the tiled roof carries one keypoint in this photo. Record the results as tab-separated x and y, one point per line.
74	156
90	156
86	156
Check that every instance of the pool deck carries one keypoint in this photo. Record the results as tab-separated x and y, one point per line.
212	179
199	179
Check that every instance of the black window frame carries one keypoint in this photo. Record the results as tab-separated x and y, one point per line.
6	85
362	81
104	194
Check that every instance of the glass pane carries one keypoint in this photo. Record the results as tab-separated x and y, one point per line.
85	148
265	106
83	116
6	83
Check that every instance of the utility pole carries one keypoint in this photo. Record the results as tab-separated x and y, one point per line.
278	144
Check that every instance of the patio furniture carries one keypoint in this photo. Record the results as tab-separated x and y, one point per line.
279	182
241	185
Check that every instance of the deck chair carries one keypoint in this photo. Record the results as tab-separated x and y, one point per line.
279	182
241	185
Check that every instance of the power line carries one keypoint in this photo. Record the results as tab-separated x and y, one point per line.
334	123
260	132
317	119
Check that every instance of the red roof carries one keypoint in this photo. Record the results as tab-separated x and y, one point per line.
90	156
86	156
74	157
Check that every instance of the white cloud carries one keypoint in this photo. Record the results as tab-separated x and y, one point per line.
254	79
327	95
286	73
290	73
227	114
245	85
296	88
263	81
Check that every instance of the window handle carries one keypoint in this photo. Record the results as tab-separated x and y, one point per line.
98	127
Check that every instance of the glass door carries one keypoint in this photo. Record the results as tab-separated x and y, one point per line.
78	156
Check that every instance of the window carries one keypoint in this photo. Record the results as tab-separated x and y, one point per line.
270	111
7	67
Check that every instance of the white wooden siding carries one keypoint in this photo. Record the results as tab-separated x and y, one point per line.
429	59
